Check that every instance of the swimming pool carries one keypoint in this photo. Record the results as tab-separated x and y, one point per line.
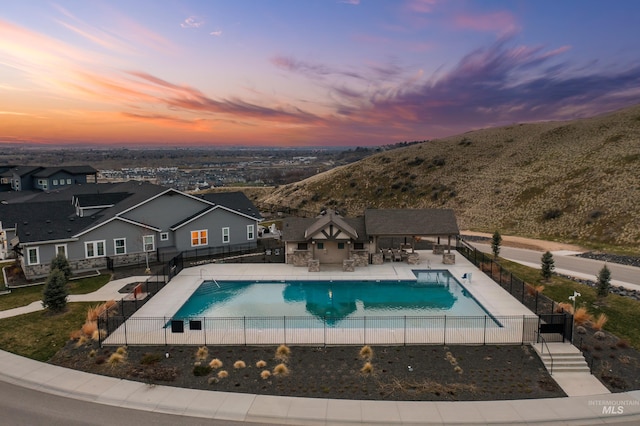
432	293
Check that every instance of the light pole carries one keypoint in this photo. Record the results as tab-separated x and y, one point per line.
573	297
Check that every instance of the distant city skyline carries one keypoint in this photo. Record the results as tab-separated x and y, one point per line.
303	73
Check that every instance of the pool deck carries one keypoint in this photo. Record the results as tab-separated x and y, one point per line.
148	325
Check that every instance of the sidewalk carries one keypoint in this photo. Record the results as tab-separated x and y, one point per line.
621	408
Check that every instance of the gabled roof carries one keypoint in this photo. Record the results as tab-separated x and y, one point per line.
100	200
21	170
72	170
411	222
236	200
295	228
327	219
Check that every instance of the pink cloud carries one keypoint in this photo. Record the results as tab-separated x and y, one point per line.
421	6
502	22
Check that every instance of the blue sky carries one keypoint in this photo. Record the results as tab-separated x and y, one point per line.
307	72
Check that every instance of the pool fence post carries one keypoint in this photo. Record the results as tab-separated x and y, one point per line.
484	338
204	330
365	331
324	325
405	330
444	337
537	301
523	325
284	329
164	321
244	329
125	333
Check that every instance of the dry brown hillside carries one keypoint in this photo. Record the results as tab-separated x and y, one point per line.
574	181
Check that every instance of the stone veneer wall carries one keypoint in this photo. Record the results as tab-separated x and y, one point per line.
300	257
360	257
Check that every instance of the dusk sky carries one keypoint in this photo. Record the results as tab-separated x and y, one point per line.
307	72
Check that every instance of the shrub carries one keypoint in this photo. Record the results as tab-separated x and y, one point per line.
261	364
457	369
581	316
547	265
116	359
54	295
202	353
265	374
61	263
81	341
92	353
222	374
551	214
599	323
99	334
283	352
367	368
150	359
200	370
564	307
366	352
604	281
280	370
121	350
215	363
89	327
239	364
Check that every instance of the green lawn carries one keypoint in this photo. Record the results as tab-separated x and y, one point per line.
26	295
39	335
623	313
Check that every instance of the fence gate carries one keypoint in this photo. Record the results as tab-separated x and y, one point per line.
557	325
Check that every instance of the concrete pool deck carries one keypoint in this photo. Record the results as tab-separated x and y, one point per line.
148	325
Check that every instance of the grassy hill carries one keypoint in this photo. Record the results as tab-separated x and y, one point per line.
575	181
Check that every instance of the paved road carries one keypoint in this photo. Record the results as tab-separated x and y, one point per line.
21	406
627	276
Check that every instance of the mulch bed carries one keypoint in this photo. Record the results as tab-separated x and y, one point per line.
411	373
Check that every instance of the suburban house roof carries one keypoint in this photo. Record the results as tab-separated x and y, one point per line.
20	170
236	200
58	219
418	222
72	170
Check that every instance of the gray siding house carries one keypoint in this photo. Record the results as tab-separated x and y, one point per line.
25	178
122	222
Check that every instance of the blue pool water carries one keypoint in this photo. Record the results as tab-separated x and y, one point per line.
433	293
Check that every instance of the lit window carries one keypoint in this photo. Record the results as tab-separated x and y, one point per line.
55	182
33	255
148	243
68	181
94	249
225	235
119	246
250	232
199	238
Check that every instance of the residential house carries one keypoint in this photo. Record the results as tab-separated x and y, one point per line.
122	222
24	178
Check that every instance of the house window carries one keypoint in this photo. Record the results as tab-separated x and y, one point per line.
302	246
42	183
340	246
250	232
119	246
33	255
94	249
321	246
148	243
55	182
61	249
164	236
225	235
358	246
68	181
199	238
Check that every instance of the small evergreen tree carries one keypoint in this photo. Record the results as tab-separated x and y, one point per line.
547	265
61	263
496	242
604	281
54	295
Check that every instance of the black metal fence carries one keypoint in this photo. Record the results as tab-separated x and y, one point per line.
553	317
307	330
